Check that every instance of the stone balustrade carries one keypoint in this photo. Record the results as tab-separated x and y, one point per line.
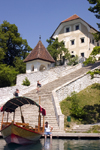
77	85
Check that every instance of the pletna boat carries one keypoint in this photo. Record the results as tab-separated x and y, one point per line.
20	132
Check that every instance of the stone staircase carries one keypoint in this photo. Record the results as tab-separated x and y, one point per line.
45	95
81	128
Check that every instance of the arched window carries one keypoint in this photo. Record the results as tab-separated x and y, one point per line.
32	68
42	68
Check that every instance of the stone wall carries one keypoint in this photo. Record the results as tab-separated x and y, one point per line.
44	78
77	85
47	75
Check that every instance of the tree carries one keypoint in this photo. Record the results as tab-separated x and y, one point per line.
96	50
73	60
57	49
92	60
20	66
1	55
11	44
7	75
95	9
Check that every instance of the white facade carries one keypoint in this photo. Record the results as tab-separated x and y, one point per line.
37	65
77	36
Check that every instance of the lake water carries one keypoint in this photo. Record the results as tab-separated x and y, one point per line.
55	144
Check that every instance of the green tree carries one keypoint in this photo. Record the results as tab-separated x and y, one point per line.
92	57
12	44
20	66
73	60
95	9
7	75
1	55
57	49
92	60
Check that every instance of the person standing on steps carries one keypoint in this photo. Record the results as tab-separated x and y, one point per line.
16	93
38	86
48	130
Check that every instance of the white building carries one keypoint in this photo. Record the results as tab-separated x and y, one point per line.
39	59
77	36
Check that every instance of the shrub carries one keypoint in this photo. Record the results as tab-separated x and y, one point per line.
75	110
7	75
26	82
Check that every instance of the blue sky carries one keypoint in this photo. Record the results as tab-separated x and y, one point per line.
41	17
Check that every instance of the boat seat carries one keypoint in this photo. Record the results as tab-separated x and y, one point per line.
6	123
23	124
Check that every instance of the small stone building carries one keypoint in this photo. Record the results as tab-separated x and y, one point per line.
39	59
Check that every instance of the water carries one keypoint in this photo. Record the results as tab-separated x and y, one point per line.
55	144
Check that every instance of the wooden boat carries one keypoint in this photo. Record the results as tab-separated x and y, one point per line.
20	132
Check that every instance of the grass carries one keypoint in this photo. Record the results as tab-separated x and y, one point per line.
94	129
89	101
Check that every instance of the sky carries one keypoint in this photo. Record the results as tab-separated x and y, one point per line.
41	17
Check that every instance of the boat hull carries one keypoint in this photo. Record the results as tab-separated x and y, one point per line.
19	135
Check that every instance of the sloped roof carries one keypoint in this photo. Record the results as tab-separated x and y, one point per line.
39	52
71	18
74	17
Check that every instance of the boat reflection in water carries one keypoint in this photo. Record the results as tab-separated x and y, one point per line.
35	146
57	144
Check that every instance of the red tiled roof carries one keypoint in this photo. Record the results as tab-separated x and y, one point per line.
39	52
71	18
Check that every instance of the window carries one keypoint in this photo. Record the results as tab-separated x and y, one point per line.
72	56
82	54
72	42
92	41
97	44
82	40
77	27
67	29
72	52
32	68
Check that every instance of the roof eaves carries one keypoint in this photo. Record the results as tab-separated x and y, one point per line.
55	31
72	20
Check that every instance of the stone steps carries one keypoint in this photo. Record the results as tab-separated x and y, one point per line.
81	128
46	99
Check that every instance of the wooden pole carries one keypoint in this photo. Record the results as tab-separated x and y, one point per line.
39	117
39	100
22	118
43	123
14	117
7	116
2	120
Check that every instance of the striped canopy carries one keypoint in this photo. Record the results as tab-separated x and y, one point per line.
16	102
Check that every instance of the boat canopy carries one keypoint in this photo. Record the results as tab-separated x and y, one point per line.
16	102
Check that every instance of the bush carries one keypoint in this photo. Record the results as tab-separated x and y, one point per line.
7	75
73	61
26	82
75	110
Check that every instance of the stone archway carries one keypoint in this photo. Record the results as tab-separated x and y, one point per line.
42	68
